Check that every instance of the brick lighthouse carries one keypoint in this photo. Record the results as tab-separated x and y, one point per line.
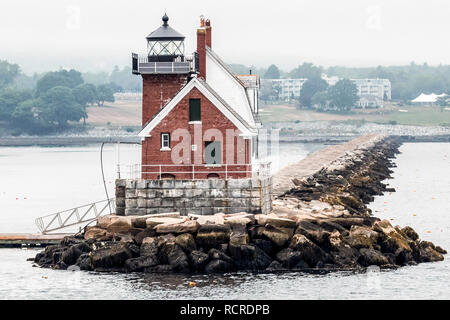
199	119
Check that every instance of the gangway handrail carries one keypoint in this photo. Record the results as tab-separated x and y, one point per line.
62	219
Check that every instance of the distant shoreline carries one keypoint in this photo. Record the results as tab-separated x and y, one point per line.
64	141
60	141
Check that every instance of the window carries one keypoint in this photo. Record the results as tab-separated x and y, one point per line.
194	110
165	141
213	153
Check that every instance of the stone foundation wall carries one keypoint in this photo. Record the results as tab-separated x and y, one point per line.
202	197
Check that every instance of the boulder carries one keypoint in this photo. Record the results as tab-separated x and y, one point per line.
237	221
110	256
198	260
172	254
345	256
313	232
217	218
215	254
154	221
391	239
410	233
372	257
275	221
218	266
140	263
71	255
274	266
240	215
264	245
362	237
348	222
249	257
288	257
149	232
212	235
186	241
120	225
277	236
104	221
310	252
94	233
190	226
149	247
427	252
141	221
84	262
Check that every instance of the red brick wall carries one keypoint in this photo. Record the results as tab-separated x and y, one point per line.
157	90
179	118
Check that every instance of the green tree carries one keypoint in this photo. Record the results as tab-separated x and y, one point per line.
58	106
9	99
309	88
320	100
8	72
272	72
23	115
306	71
69	79
85	93
104	93
343	95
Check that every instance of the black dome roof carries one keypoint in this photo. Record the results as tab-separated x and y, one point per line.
165	32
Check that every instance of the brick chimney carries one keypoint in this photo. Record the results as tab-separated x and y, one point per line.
201	48
208	33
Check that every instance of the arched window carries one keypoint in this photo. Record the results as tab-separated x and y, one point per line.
166	176
212	176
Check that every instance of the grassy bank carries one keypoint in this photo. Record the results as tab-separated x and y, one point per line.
405	115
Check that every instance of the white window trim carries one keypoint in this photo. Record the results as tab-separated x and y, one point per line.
195	122
165	148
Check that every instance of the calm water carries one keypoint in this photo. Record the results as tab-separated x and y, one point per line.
422	181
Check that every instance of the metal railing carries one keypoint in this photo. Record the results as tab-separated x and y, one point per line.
74	216
141	64
136	171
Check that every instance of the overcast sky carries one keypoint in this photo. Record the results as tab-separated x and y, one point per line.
98	34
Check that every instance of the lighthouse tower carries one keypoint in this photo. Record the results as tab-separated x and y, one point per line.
199	119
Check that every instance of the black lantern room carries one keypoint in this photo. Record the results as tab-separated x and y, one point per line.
165	44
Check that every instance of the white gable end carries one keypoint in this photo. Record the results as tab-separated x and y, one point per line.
228	88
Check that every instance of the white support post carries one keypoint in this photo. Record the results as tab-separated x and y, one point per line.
118	160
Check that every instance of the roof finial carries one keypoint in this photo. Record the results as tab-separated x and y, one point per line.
165	19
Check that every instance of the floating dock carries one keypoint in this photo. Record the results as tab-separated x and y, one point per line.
11	240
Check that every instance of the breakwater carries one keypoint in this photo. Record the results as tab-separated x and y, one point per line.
322	222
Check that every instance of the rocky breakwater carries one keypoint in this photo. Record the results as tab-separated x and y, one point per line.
227	243
322	223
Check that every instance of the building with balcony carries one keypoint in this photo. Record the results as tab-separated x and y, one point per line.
199	120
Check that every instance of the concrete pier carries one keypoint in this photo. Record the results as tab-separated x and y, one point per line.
27	239
282	180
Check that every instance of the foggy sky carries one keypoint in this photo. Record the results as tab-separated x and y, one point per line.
94	35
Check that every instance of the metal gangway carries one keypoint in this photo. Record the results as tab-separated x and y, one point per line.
72	217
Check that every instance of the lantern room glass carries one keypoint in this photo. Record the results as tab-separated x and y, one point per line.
166	48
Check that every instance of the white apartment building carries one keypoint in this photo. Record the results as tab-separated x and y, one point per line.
288	89
372	92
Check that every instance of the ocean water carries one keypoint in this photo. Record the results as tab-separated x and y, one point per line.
36	181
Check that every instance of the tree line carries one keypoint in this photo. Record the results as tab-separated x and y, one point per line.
55	100
407	82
